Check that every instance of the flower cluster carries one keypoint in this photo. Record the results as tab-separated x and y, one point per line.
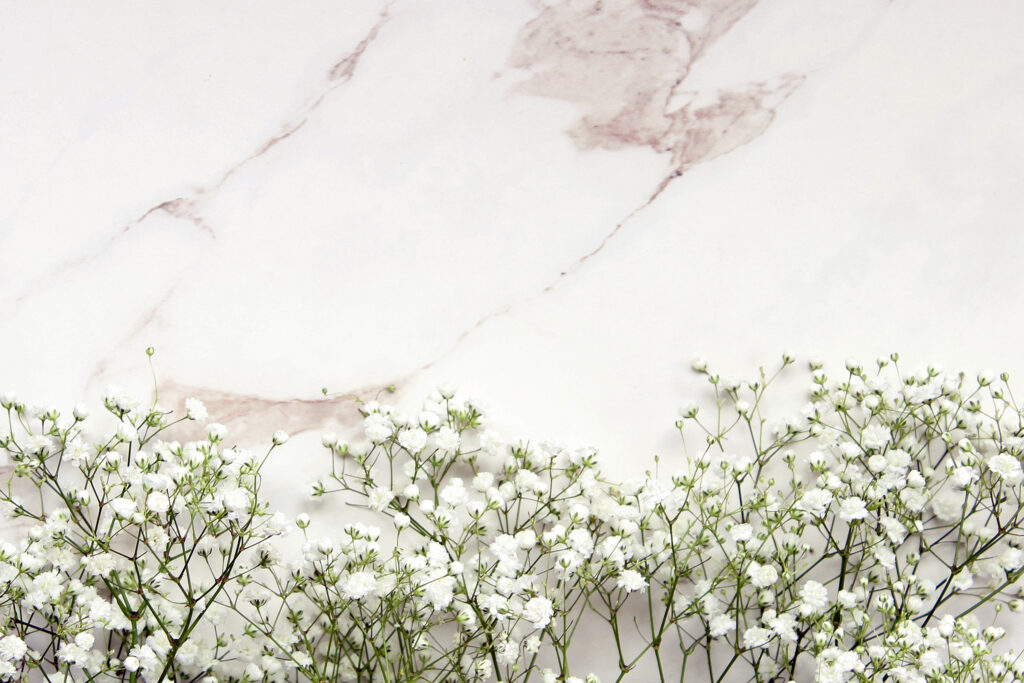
133	548
876	535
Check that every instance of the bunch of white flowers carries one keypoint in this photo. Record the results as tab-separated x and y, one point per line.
864	539
134	546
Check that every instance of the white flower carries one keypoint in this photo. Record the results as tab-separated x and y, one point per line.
448	439
157	502
359	584
379	497
126	431
412	440
280	437
741	533
762	575
123	507
483	481
455	493
884	556
12	648
526	539
877	463
100	564
630	580
948	506
782	625
851	509
963	476
1011	559
439	592
720	624
875	436
235	501
813	598
756	637
505	548
834	665
581	541
377	427
538	611
73	654
49	585
1007	467
847	599
963	580
815	502
117	398
894	529
195	410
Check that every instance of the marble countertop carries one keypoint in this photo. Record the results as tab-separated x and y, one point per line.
553	204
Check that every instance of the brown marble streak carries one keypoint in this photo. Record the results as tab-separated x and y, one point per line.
189	208
255	417
625	63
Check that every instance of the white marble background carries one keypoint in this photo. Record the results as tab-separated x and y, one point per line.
553	204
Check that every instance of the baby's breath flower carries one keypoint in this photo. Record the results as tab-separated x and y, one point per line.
413	440
12	648
815	502
630	580
538	612
749	542
852	509
359	584
741	533
756	637
813	598
216	431
720	624
195	410
762	575
158	502
1006	467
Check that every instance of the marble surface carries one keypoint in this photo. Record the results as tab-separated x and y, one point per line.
553	204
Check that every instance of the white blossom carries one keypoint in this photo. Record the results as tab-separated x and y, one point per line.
630	580
195	410
1007	467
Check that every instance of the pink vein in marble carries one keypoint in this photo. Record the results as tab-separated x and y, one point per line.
626	64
